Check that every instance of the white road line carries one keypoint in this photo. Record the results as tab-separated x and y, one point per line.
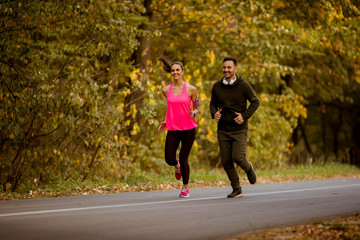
162	202
303	190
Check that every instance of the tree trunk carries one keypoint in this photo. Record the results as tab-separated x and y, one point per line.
140	58
355	141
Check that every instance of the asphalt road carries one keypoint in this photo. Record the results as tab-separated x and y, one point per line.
207	214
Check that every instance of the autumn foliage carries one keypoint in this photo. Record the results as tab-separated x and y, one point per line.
80	83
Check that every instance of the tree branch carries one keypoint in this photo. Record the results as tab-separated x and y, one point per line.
30	27
76	50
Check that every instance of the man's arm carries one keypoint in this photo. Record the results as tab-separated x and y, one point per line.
213	106
254	101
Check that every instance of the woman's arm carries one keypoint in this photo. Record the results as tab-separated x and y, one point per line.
195	101
163	123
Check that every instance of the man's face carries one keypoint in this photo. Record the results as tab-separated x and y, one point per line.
229	70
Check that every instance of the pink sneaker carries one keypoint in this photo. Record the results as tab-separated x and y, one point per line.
184	193
177	173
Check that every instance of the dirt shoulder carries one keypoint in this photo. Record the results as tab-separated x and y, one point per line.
346	227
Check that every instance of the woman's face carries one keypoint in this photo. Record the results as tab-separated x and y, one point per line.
176	72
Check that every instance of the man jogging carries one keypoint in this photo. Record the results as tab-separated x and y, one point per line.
228	106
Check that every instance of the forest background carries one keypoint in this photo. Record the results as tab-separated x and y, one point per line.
81	84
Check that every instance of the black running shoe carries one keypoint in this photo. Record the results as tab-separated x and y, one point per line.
235	193
251	175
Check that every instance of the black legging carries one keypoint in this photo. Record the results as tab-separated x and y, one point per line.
173	139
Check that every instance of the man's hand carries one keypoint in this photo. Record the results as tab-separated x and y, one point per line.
217	115
239	119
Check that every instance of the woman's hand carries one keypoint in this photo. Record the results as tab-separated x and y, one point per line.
194	113
161	127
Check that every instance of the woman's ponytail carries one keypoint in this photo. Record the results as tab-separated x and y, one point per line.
166	65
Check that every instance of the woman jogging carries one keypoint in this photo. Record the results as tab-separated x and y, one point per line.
182	107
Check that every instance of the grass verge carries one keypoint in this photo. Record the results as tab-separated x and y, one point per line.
198	179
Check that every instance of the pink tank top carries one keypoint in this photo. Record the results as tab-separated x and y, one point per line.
178	111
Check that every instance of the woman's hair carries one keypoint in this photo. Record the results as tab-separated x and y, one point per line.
167	66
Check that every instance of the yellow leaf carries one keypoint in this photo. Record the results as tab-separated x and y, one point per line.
210	133
188	78
211	56
135	129
120	107
196	73
201	122
134	75
133	110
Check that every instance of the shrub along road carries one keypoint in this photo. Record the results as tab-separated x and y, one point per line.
207	214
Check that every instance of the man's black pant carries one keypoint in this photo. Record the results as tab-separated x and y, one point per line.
233	150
